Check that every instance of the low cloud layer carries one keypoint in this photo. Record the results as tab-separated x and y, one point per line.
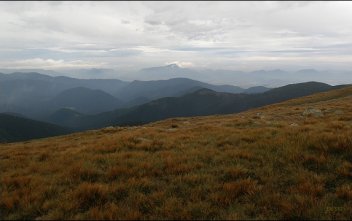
134	35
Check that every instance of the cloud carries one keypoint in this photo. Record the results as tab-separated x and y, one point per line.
132	35
39	63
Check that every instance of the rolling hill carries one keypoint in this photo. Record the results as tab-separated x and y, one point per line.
16	128
64	116
85	100
168	88
31	93
208	102
198	103
290	160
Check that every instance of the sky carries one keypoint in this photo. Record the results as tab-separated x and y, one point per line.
133	35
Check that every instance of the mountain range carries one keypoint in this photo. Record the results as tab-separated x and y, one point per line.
37	95
81	104
268	78
200	102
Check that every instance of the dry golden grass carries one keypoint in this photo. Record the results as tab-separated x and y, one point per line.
267	163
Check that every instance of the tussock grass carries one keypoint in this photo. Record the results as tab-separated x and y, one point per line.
267	163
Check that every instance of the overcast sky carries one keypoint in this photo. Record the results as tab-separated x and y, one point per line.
133	35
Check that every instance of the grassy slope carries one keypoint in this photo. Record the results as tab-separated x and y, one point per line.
266	163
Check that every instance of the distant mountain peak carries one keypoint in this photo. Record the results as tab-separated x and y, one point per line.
166	67
172	66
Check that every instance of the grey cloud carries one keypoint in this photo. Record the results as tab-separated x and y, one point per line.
153	22
206	34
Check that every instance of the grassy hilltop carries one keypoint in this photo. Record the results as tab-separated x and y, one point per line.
291	160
